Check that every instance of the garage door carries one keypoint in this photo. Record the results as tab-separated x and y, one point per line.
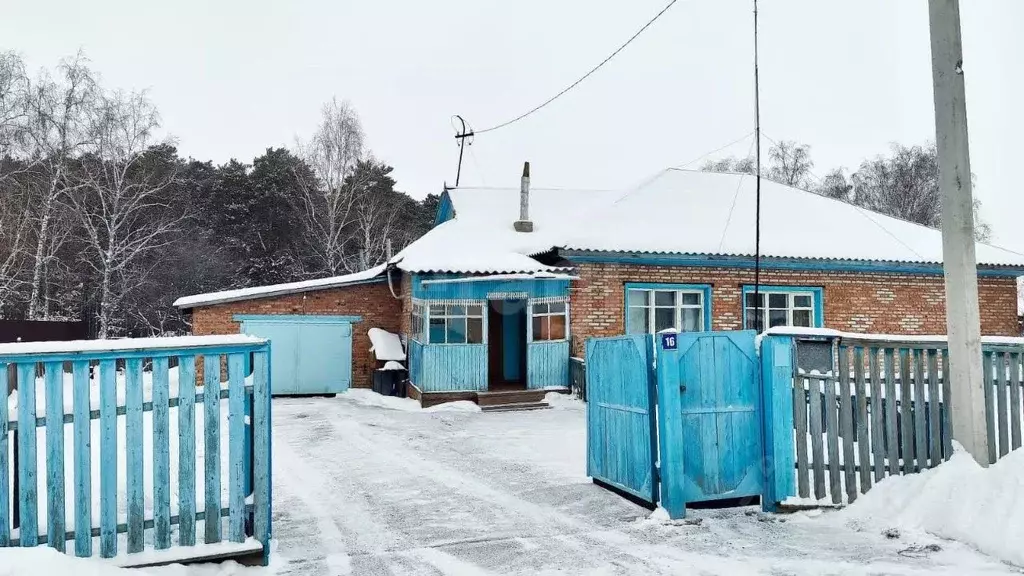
308	354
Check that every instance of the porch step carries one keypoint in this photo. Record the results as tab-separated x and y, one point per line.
510	397
521	406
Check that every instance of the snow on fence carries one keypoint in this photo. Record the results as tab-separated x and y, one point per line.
103	414
885	410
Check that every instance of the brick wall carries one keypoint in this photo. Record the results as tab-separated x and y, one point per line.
373	302
854	302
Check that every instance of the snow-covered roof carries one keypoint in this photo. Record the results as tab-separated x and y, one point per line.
385	345
278	289
675	212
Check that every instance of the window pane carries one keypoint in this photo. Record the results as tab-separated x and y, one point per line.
456	330
664	298
557	307
437	309
475	330
777	318
636	323
540	308
751	301
664	318
690	299
692	320
778	300
801	317
437	331
749	322
557	327
474	310
639	298
540	328
456	310
801	301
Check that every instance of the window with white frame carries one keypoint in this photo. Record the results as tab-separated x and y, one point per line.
657	309
456	323
419	327
779	308
549	321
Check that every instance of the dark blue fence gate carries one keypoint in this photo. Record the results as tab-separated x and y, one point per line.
621	436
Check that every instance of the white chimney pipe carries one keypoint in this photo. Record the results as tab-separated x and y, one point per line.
524	224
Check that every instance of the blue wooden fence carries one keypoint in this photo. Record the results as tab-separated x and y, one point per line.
113	407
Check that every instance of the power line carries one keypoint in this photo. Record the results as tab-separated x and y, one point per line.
716	150
585	76
732	208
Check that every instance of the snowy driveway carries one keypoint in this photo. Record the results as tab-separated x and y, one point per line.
364	489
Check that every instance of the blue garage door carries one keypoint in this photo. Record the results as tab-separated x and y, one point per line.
308	354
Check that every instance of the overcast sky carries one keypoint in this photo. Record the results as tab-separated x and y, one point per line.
233	77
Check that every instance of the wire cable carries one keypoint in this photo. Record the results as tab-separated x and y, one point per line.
716	150
585	76
735	197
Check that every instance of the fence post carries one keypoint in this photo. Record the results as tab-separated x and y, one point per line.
777	419
670	431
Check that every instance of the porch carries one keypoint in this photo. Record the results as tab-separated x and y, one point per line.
496	340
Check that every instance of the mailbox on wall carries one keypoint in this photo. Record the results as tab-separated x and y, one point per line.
815	354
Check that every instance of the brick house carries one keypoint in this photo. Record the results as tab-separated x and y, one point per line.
493	301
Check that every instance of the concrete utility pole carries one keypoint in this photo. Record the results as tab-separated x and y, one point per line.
963	324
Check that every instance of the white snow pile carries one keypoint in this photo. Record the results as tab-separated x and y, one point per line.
958	500
43	560
385	345
560	401
364	397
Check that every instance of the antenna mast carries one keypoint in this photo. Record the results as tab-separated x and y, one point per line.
758	309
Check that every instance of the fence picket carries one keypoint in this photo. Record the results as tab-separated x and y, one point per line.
53	377
82	458
800	425
863	443
5	465
108	458
846	431
832	434
187	450
1002	362
987	382
261	448
817	451
920	410
934	413
947	400
134	453
28	506
211	454
161	455
892	440
877	418
1015	408
236	457
906	425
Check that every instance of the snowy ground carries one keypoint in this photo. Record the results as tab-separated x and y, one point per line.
368	487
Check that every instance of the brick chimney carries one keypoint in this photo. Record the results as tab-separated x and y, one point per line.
524	224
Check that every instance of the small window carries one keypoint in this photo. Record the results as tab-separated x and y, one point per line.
654	310
780	309
456	324
550	321
418	328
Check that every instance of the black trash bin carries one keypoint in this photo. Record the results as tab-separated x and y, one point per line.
390	382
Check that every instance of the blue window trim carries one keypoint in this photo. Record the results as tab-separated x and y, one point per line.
297	318
816	291
803	264
704	288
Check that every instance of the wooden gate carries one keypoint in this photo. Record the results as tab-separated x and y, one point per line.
709	402
621	445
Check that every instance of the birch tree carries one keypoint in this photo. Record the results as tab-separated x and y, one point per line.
121	204
58	131
327	202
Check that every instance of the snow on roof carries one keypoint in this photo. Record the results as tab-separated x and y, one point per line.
125	344
277	289
695	212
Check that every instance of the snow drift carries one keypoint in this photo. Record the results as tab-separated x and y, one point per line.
958	500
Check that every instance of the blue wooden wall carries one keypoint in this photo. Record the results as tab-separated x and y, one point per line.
480	289
547	364
452	367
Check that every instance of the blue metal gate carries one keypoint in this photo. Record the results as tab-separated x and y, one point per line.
710	418
621	446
